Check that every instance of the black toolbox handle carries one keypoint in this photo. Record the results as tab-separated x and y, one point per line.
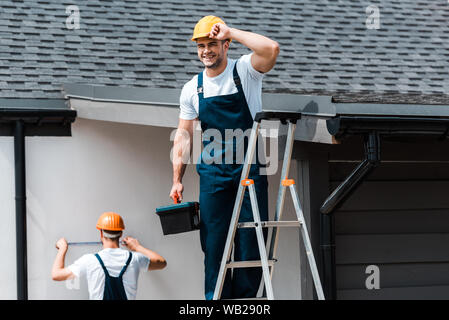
283	116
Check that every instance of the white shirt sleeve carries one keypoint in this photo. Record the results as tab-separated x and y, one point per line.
246	67
79	267
142	261
186	103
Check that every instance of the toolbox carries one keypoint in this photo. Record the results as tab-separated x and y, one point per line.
179	217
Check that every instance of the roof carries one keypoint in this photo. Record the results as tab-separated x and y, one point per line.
326	48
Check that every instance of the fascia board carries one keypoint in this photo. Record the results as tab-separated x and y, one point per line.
133	113
392	109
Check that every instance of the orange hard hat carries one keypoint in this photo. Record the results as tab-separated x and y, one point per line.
204	26
110	221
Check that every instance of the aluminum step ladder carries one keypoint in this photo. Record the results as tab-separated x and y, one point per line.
267	260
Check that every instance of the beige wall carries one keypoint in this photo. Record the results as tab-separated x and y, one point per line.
110	166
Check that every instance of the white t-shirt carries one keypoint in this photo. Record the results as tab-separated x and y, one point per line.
114	260
223	84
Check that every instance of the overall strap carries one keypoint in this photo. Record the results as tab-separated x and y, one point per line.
199	87
126	265
236	77
102	264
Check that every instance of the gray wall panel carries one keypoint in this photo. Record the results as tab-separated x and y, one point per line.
392	221
381	195
406	293
394	275
398	220
392	248
388	171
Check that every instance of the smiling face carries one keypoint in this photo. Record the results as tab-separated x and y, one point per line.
212	52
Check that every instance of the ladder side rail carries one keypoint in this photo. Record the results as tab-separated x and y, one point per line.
307	243
282	190
236	211
261	242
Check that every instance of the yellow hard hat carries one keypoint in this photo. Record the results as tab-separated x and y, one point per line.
204	26
110	221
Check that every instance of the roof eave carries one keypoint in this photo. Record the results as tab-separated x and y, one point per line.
46	118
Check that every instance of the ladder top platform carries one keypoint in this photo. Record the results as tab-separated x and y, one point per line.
278	115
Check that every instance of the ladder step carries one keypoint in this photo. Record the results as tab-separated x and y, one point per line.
248	264
269	224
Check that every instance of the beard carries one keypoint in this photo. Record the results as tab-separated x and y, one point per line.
215	64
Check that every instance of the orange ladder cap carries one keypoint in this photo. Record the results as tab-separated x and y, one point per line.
247	182
288	182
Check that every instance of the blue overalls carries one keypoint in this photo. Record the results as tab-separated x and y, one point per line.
113	286
218	190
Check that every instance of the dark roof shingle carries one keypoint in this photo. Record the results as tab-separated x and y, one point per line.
326	48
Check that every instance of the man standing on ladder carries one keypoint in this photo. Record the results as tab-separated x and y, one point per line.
225	96
111	273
